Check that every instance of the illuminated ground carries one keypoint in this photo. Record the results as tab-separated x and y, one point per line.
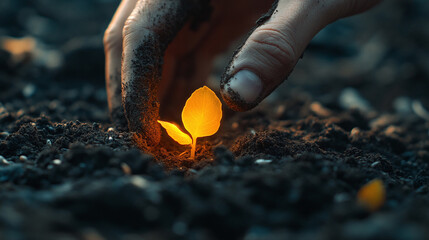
290	169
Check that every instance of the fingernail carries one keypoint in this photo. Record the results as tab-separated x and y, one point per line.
246	84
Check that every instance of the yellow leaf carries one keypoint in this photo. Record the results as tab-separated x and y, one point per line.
201	117
175	133
202	113
372	195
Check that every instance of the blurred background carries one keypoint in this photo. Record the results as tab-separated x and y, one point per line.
51	59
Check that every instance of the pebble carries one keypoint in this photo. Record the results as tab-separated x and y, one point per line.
375	163
420	110
355	131
23	158
4	134
49	142
392	130
110	129
252	131
382	121
4	161
110	138
56	161
139	182
20	113
126	169
29	90
263	161
320	110
350	98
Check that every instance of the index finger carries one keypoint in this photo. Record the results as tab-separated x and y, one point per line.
150	28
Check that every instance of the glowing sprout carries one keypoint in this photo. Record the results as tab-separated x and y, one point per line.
201	117
372	195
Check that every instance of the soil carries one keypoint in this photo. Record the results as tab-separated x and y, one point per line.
353	110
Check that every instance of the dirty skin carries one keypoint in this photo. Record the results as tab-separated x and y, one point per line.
234	101
116	109
141	80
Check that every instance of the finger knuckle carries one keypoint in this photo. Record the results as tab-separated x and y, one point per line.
130	26
134	29
112	37
276	45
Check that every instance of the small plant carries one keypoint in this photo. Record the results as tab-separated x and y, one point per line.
201	117
372	195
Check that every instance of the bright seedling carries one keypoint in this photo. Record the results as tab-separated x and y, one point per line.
372	195
201	117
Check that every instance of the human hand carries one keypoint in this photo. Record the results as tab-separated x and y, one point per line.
165	57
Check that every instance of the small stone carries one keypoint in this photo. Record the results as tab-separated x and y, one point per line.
420	110
126	169
139	182
49	142
110	138
4	134
320	110
252	131
350	98
110	129
392	130
29	90
263	161
375	163
23	158
3	161
355	131
382	121
20	113
56	161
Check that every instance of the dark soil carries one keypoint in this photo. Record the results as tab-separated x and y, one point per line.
289	169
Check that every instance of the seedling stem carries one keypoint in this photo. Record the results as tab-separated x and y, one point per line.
194	147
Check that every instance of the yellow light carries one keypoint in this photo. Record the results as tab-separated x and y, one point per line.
372	195
201	117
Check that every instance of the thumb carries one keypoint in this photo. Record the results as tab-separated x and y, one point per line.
271	52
